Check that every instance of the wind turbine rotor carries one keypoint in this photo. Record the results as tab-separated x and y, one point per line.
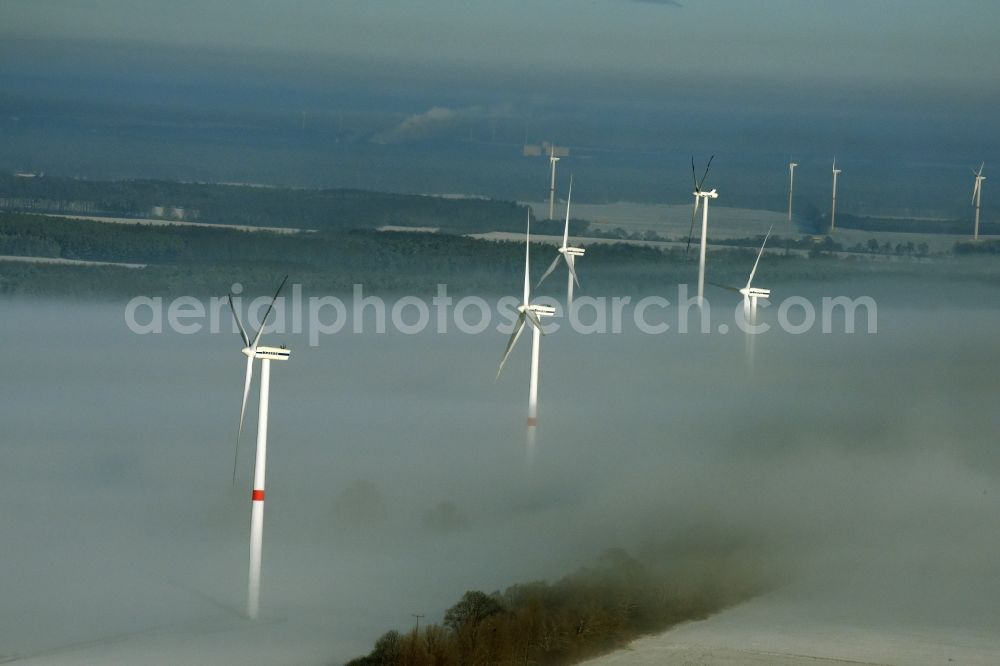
697	197
565	251
251	351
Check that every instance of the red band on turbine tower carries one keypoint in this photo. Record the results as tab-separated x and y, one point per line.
257	496
532	421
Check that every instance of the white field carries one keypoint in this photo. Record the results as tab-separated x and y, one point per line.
70	262
781	631
177	223
724	222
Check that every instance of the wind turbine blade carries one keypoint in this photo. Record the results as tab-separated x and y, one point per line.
694	176
707	167
552	267
535	321
724	286
527	251
572	271
975	191
754	271
270	307
569	198
243	332
515	334
243	411
694	213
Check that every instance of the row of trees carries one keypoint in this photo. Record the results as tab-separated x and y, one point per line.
597	609
910	225
274	207
200	260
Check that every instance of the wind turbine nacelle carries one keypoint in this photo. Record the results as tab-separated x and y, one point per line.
756	292
269	353
543	310
575	251
707	195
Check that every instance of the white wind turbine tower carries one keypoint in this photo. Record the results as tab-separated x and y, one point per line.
253	350
791	191
552	182
977	196
833	205
698	196
568	253
532	314
751	295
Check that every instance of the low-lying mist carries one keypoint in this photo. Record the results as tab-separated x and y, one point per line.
857	472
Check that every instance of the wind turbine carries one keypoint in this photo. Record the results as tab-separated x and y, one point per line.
568	253
977	196
833	206
698	196
751	295
528	313
552	182
254	350
791	190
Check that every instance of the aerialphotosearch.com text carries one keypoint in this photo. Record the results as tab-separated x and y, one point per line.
319	316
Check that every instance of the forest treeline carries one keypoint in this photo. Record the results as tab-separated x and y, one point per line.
343	209
202	260
595	610
330	209
193	260
907	225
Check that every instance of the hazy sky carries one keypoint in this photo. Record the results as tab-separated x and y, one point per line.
926	42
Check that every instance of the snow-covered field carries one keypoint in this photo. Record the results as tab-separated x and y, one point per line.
159	222
67	262
674	221
783	631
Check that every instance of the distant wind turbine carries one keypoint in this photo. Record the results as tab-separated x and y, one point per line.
698	196
833	205
528	313
977	196
791	191
253	350
568	253
552	182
